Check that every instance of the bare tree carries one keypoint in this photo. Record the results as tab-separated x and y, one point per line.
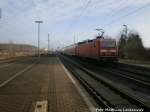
134	48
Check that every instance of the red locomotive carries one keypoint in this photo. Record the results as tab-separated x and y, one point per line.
99	48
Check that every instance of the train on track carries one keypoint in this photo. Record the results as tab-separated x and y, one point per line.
99	48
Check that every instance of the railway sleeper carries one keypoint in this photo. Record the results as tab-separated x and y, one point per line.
110	96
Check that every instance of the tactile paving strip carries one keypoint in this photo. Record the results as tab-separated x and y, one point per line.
63	96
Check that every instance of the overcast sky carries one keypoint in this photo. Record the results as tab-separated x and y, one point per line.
64	19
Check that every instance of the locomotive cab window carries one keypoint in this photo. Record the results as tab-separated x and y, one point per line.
108	44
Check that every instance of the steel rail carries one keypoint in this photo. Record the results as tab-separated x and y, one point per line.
97	97
134	99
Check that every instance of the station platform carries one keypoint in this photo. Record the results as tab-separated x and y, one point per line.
40	85
62	96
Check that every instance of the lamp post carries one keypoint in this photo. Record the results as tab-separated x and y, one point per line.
39	22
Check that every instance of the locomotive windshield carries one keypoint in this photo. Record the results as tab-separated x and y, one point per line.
108	44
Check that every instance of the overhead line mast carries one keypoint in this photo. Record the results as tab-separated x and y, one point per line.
125	31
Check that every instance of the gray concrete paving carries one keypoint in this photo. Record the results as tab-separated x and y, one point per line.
44	81
63	96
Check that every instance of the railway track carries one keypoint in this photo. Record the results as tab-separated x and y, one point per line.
110	71
145	81
134	68
128	75
130	72
137	72
106	94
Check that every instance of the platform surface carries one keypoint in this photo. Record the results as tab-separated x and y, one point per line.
63	96
38	87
